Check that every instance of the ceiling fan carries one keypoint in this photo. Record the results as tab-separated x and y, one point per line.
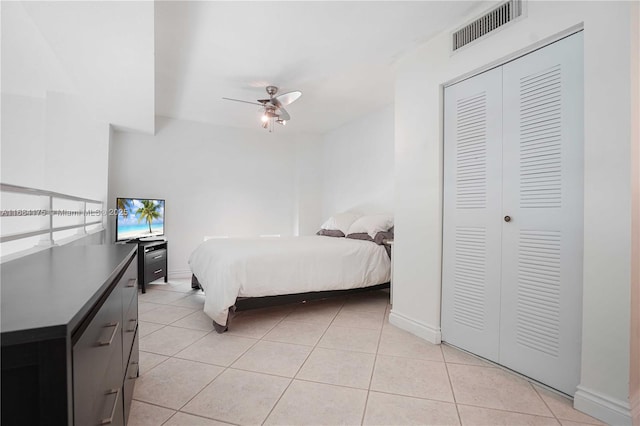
273	108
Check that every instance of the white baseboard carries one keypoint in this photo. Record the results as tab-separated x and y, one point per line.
180	274
635	407
427	332
610	410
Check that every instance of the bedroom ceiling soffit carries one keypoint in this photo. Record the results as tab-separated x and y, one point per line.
340	54
102	51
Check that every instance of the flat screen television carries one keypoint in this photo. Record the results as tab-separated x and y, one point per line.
139	218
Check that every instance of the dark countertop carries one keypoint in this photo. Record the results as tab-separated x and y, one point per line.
47	294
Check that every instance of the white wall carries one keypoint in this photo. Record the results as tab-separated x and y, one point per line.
604	387
634	382
247	182
23	140
76	149
101	51
357	165
309	174
54	86
215	180
52	144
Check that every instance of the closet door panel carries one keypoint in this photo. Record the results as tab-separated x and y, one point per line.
541	291
472	208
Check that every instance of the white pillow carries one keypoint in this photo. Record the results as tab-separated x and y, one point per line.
341	221
371	224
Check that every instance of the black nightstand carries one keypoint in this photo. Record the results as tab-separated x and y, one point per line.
152	262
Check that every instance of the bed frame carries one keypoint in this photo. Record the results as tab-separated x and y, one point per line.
246	303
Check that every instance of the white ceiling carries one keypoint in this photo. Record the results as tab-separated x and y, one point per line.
339	54
100	51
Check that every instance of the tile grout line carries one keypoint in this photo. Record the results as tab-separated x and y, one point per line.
301	365
225	368
511	373
453	392
161	362
316	345
171	325
263	338
328	384
553	412
493	408
190	328
197	393
503	410
179	350
373	370
195	415
154	302
193	311
154	404
545	403
422	398
211	381
148	334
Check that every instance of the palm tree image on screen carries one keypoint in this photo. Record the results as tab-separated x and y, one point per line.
149	212
124	205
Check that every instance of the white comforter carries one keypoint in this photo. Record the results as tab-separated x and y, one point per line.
231	268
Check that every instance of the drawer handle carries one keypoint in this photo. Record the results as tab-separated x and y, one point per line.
135	376
131	283
109	420
159	270
134	321
115	330
157	257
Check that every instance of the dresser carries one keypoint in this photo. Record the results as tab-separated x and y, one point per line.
69	336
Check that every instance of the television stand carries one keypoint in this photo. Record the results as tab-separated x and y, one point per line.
152	262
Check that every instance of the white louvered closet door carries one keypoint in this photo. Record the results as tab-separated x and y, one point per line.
472	208
541	292
513	214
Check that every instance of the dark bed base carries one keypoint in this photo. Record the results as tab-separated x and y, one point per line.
246	303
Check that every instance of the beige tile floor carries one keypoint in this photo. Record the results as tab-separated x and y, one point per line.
331	362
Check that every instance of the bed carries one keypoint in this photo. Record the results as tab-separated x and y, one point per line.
232	269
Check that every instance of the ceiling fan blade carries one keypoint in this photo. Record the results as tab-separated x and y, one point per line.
284	115
239	100
289	97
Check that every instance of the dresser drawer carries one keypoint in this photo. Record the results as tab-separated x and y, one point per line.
155	256
94	354
154	271
129	285
129	327
108	403
130	377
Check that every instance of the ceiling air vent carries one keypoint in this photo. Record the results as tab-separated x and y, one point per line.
497	17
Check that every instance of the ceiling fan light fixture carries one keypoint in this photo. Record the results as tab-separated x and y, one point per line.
273	108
